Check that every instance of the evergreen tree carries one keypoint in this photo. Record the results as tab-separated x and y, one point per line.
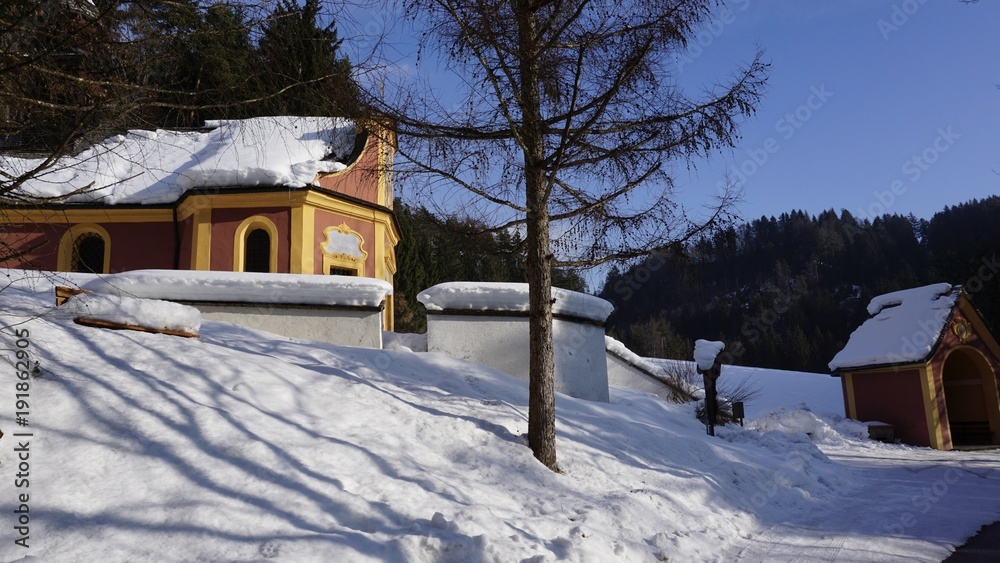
302	55
55	56
435	250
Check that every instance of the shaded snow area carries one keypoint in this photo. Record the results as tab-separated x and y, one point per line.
619	349
904	327
244	287
148	167
510	297
244	446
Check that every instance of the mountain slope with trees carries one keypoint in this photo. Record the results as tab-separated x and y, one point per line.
787	292
435	250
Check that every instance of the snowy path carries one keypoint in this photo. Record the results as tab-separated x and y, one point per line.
908	505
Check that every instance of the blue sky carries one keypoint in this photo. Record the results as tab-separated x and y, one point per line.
876	106
873	106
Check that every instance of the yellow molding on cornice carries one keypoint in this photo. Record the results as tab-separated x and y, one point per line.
88	215
236	200
353	210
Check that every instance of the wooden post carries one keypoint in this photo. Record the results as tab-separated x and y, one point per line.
706	351
710	376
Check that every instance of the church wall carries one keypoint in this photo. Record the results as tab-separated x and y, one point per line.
893	397
141	246
224	225
27	235
360	179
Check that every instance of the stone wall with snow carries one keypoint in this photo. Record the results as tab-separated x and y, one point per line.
335	309
627	369
487	323
335	325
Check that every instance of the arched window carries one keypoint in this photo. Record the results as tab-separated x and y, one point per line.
88	254
85	248
255	246
257	253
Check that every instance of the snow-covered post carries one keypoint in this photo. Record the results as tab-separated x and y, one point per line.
706	355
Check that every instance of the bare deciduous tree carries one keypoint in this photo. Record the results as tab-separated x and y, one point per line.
570	118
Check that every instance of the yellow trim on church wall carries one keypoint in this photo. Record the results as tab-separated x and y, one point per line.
386	152
295	250
108	215
935	431
194	203
303	243
852	408
341	260
240	241
201	239
302	205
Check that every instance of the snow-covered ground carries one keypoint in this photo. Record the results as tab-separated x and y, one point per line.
776	388
243	446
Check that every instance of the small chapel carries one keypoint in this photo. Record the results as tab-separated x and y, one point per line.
304	195
926	364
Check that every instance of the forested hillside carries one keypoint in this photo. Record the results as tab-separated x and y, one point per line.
787	292
436	250
73	72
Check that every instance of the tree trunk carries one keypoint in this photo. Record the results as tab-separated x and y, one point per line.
542	398
541	364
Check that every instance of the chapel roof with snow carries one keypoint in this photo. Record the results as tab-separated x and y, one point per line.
159	167
903	327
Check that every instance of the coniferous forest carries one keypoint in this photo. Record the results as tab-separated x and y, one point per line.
782	292
436	249
73	72
786	292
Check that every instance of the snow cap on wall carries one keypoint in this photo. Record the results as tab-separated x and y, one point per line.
510	297
245	287
151	167
905	326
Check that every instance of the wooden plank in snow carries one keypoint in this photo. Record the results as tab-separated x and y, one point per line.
120	326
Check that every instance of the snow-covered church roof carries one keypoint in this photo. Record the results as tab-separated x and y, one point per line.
153	167
905	326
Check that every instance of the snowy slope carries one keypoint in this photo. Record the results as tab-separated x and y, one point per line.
776	388
243	446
